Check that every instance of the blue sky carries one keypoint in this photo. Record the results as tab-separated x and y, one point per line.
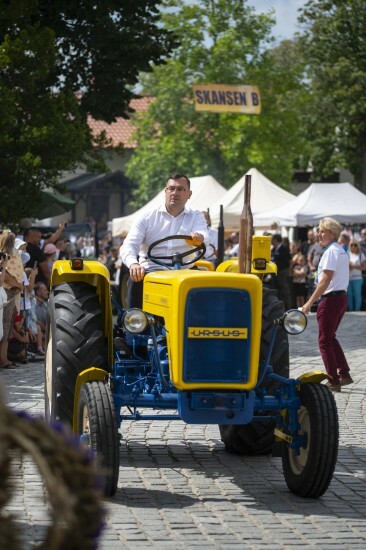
285	13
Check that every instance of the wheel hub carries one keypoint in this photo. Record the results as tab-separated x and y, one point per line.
85	437
298	462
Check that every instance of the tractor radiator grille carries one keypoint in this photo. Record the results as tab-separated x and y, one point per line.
217	337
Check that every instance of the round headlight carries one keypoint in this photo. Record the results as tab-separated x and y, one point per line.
134	320
294	321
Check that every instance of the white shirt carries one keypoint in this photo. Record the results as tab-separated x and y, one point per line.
336	259
155	225
234	251
25	299
356	259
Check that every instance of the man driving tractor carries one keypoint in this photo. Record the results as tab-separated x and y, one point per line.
172	218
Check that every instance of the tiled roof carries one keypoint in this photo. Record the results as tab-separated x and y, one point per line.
121	130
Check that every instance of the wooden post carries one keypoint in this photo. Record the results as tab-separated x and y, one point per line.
246	230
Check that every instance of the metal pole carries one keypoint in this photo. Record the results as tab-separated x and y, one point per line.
221	237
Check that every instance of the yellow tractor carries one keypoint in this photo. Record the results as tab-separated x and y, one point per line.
208	347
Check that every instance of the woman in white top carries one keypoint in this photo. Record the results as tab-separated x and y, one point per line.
331	290
357	264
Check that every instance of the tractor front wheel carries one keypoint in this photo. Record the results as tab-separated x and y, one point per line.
309	473
97	427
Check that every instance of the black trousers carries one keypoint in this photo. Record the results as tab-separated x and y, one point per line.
134	293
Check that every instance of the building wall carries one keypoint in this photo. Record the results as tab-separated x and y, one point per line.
118	162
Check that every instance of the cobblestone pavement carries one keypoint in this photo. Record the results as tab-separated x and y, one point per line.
179	488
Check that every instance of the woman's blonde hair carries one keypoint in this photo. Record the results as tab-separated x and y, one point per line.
328	224
7	242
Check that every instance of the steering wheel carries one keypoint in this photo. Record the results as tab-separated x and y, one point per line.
176	260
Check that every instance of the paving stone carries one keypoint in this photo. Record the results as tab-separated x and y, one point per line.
179	489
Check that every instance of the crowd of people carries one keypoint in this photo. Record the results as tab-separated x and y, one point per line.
109	256
26	262
297	263
302	261
297	266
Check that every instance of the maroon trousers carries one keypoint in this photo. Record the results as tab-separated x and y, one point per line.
329	315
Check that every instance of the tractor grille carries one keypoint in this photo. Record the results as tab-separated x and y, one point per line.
217	337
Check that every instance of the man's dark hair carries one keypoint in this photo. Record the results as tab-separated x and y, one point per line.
177	177
38	286
31	230
277	237
62	238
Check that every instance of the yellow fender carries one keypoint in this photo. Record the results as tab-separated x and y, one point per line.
229	265
87	375
316	376
205	265
94	273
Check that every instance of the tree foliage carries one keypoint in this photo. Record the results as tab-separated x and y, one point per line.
49	53
220	41
334	45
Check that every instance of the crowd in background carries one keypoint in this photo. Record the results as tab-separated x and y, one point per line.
297	263
26	261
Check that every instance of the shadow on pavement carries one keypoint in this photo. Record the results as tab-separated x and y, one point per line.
255	482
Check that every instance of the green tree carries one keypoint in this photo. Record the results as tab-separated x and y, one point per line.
59	62
335	49
220	41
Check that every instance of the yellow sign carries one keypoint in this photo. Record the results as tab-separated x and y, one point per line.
222	98
214	332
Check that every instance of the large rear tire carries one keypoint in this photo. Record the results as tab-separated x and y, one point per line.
257	438
310	473
74	342
97	424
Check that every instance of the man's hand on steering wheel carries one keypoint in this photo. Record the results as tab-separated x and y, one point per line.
196	239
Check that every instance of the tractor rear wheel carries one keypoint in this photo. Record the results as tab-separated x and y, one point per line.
309	473
257	438
97	427
74	342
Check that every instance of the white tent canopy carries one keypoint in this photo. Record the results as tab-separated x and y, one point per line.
264	195
340	201
205	192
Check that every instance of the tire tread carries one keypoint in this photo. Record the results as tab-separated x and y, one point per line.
317	474
78	339
97	397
